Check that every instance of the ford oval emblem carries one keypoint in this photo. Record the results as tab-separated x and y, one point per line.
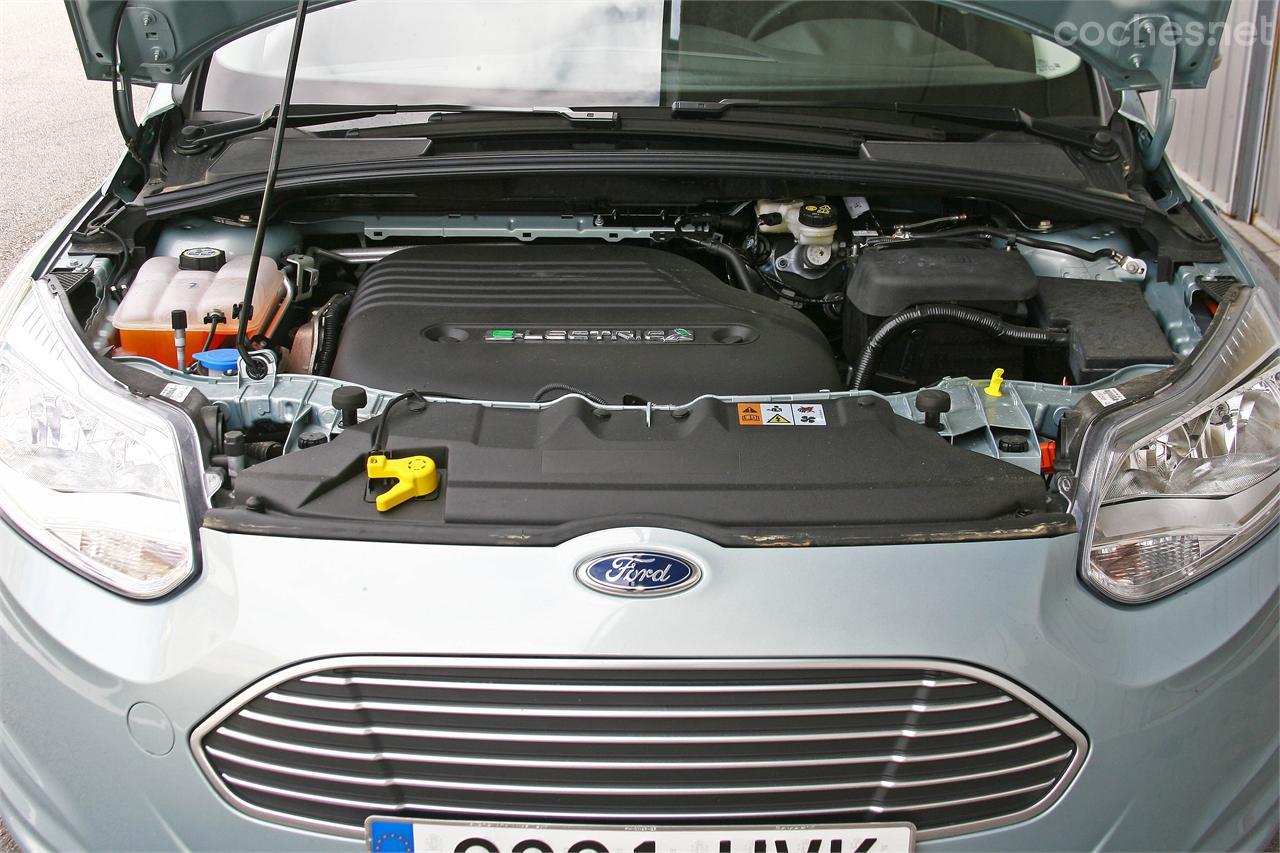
636	573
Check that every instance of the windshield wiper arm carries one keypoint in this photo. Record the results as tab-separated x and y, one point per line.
884	130
194	138
1098	143
199	137
570	114
724	105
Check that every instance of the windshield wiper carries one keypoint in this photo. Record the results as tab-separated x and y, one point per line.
1098	143
194	138
724	105
882	130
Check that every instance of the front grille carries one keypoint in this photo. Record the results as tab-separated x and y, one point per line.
947	747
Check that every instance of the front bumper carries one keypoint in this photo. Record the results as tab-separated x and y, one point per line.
1178	698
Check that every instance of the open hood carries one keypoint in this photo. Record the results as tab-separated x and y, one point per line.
1135	44
161	41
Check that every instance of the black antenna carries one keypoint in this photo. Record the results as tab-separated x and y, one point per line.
254	364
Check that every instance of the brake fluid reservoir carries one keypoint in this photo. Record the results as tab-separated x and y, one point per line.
811	223
199	281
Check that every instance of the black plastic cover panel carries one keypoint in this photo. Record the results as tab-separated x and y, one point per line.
1040	160
886	281
501	321
1110	322
536	477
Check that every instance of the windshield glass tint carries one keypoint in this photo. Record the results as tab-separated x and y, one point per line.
650	53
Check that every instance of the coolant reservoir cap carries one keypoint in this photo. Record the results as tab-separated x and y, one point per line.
206	259
218	359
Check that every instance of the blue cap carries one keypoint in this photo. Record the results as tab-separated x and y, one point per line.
218	359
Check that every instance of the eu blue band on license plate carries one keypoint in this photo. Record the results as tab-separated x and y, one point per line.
392	835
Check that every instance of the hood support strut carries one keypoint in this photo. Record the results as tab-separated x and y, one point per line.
258	364
1153	50
122	106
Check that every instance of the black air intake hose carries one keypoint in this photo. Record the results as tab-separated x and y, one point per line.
745	277
919	315
328	329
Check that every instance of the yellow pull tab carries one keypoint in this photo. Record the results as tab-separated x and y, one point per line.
416	476
997	379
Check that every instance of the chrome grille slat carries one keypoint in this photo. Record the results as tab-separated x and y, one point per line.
628	713
348	681
616	790
629	815
470	734
945	746
580	764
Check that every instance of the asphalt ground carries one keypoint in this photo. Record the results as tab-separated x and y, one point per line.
58	137
58	140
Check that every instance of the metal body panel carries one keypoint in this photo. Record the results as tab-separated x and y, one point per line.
1177	697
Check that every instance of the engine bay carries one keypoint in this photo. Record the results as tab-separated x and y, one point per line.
767	297
757	368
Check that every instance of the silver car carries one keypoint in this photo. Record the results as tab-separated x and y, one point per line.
628	425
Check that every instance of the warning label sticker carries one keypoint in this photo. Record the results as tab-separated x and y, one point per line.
778	414
781	414
749	414
809	414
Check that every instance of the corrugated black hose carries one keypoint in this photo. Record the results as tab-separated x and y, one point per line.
919	315
743	274
566	389
328	327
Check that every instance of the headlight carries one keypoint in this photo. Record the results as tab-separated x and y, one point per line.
90	473
1173	490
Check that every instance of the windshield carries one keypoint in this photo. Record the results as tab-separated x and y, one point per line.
650	53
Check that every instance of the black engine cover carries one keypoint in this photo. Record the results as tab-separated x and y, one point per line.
500	322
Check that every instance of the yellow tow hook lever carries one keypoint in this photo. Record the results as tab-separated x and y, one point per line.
415	476
997	379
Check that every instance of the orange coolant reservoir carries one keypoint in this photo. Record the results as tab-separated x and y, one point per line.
198	281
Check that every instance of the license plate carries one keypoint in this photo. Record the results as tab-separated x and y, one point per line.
389	835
